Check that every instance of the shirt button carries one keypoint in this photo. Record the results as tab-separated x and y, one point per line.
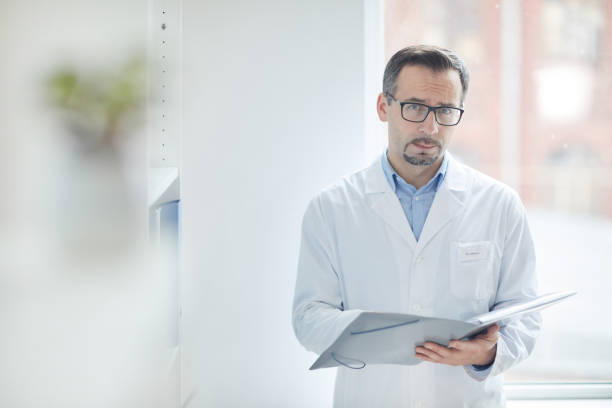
416	198
418	404
416	307
419	259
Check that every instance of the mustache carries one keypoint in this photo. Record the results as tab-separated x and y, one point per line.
424	141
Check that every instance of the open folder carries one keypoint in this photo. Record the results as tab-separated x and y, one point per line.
390	338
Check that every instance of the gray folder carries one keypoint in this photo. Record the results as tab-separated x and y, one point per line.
391	338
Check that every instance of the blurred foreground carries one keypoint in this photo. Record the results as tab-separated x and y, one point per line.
83	298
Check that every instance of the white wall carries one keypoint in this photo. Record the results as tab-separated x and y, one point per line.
273	112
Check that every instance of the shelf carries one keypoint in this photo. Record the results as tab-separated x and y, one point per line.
164	186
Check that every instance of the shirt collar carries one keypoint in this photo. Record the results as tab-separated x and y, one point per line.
393	178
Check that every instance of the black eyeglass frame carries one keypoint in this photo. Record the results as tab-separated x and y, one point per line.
433	109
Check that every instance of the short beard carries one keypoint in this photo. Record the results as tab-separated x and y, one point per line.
418	161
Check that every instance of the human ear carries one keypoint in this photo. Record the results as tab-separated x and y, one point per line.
382	107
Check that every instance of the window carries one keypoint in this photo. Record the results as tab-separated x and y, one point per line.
538	118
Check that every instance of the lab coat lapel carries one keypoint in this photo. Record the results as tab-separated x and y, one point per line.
385	204
447	203
388	207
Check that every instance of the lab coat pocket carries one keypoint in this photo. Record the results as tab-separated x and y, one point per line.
470	272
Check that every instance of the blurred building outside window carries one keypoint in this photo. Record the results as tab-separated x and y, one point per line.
563	142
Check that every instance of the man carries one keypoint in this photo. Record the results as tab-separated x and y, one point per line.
417	232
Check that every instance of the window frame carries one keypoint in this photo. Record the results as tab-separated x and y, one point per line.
558	390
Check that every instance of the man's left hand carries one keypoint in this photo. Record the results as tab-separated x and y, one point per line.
480	350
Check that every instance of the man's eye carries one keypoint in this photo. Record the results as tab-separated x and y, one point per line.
413	107
445	111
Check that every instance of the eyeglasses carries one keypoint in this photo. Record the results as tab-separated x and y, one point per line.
418	112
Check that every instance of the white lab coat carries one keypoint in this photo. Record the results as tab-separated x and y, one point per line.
358	253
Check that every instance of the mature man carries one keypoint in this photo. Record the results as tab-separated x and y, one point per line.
417	232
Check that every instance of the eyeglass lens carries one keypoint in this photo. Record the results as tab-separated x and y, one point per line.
444	115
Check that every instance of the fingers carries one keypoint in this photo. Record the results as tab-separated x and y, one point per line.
425	358
490	338
459	344
434	352
438	349
429	356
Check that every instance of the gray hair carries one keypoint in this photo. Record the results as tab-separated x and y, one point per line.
435	58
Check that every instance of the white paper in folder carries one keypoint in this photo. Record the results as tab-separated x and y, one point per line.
390	338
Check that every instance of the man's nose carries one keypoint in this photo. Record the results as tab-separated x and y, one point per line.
429	125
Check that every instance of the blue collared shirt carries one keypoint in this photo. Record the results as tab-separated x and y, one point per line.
416	203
